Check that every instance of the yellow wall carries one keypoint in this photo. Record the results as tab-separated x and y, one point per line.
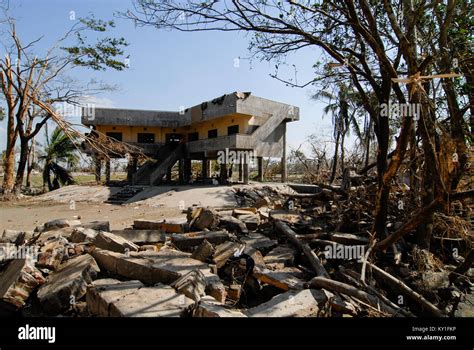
129	133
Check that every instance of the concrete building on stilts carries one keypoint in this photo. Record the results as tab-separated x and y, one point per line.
230	129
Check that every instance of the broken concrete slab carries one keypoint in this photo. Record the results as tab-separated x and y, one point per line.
52	253
209	307
203	218
113	298
97	225
280	257
165	226
15	236
284	280
203	252
68	284
224	251
302	303
233	224
57	224
192	284
165	266
110	241
81	234
104	292
143	236
17	280
188	240
157	301
259	241
256	255
251	221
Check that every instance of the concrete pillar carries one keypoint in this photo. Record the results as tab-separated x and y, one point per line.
98	168
131	167
107	170
284	170
187	170
260	169
209	169
223	173
205	168
246	173
181	171
241	172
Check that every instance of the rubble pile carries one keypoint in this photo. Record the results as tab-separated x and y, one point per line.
302	251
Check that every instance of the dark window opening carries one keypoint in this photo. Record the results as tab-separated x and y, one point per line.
234	129
212	134
193	136
114	135
173	138
146	138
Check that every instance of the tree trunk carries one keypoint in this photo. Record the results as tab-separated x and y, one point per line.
334	161
20	173
9	161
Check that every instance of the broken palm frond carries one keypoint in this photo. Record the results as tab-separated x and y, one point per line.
416	80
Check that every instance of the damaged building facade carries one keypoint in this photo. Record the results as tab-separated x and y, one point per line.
236	123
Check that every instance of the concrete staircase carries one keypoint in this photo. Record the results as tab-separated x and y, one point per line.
124	194
153	171
270	125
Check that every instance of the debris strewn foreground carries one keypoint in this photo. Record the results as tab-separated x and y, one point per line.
281	253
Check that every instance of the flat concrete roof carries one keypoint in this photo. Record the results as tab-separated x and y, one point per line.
236	103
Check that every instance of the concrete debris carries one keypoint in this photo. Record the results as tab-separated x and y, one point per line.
146	236
209	307
226	250
17	280
115	243
290	304
283	252
15	237
193	285
52	253
67	285
233	224
204	252
57	224
81	234
188	241
280	257
162	226
284	280
97	225
113	298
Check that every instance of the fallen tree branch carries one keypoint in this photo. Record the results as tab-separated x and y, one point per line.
463	268
396	283
339	287
304	247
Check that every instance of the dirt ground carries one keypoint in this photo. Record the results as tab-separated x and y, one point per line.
26	216
87	202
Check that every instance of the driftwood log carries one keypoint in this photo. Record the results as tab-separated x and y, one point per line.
340	287
396	283
313	259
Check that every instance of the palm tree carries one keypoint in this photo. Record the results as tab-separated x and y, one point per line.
341	107
59	148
